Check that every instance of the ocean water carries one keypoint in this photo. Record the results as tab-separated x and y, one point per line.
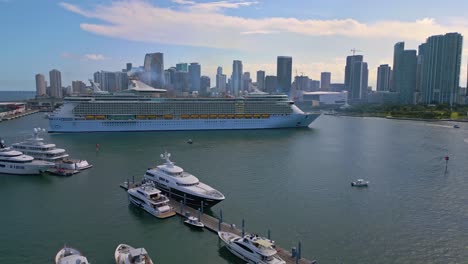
295	182
6	96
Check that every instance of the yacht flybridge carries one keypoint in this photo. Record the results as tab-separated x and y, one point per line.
181	185
38	149
15	162
251	248
151	200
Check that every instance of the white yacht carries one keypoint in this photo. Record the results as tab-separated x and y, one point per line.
68	255
125	254
251	248
151	200
194	221
360	183
181	185
38	149
15	162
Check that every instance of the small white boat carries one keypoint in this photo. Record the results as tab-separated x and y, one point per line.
189	141
252	248
125	254
68	255
456	126
151	200
360	183
193	221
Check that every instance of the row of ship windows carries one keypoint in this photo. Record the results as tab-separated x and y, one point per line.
12	166
175	123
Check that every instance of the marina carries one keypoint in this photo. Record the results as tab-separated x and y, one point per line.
286	181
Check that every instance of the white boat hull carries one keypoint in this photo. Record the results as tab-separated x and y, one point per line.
33	168
159	214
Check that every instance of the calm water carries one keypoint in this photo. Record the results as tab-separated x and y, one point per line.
295	182
16	95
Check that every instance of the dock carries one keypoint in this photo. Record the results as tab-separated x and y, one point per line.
11	117
62	172
214	225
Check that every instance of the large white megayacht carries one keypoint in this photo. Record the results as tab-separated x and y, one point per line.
181	185
15	162
251	248
39	150
136	111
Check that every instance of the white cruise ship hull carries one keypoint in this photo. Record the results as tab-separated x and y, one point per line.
281	121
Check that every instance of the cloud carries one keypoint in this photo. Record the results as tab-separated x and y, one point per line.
67	55
95	57
203	24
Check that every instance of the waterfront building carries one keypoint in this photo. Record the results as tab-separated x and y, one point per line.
271	84
236	77
406	85
129	66
398	49
337	87
205	85
181	82
383	97
325	81
284	73
154	69
261	80
55	78
440	81
246	81
220	80
183	67
301	83
356	77
78	87
384	73
97	77
195	75
40	85
325	98
314	85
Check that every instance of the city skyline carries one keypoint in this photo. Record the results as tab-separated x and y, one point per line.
314	48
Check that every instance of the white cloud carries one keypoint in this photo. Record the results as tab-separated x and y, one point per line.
213	6
95	57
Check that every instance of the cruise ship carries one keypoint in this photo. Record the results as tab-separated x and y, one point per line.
137	112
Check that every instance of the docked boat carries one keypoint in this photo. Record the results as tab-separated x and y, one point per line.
456	126
39	150
360	183
251	248
194	221
68	255
125	254
15	162
181	185
150	199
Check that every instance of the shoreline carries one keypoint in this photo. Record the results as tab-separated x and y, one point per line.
402	118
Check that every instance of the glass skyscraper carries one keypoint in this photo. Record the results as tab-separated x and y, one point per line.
284	74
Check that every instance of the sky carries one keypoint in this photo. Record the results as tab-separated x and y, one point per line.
81	37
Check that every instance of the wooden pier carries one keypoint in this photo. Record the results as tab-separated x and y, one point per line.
11	117
214	224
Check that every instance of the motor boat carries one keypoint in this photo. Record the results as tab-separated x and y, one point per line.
251	248
456	126
181	185
360	183
150	199
193	221
39	150
68	255
15	162
125	254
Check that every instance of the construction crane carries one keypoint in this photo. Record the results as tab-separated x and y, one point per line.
354	50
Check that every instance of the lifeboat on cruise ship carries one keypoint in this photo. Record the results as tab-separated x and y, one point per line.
168	117
185	116
248	116
140	117
231	116
151	116
204	116
257	116
240	116
265	116
100	117
213	116
194	116
222	116
89	117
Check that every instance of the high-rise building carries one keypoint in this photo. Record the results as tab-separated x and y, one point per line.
236	77
246	81
314	85
301	83
261	80
129	66
195	75
284	73
183	67
325	80
171	76
78	87
271	84
205	85
40	85
181	82
441	69
419	69
337	87
356	77
384	72
397	52
55	78
220	80
97	77
154	68
121	81
406	82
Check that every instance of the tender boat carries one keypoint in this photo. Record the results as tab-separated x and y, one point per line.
39	150
193	221
456	126
151	200
360	183
125	254
251	248
15	162
181	185
68	255
189	141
